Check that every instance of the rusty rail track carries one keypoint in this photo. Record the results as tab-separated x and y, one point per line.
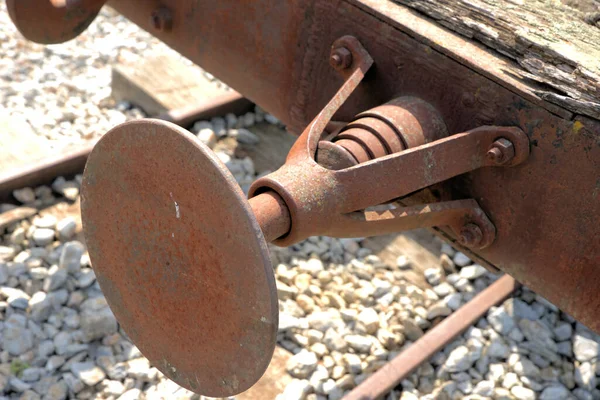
390	375
71	161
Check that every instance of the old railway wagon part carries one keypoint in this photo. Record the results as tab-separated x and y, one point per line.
195	289
544	211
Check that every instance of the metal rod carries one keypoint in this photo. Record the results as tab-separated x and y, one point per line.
392	373
272	214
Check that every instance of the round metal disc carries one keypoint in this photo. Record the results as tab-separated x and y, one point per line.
42	22
180	257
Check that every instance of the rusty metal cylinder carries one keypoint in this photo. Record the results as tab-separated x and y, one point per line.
402	123
272	215
297	200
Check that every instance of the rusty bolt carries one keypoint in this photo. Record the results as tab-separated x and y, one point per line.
501	151
467	99
341	58
470	235
162	19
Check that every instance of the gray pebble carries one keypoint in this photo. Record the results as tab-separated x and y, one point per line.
87	372
461	259
56	278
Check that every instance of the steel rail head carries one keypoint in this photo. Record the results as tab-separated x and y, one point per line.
385	379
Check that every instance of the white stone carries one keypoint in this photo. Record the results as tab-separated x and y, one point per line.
510	379
87	372
472	272
402	262
497	372
131	394
302	364
56	278
369	318
584	348
40	306
16	298
208	137
138	368
7	253
43	236
438	310
17	237
58	391
500	320
47	221
112	388
433	275
484	388
361	344
199	125
3	273
443	289
522	366
296	390
458	360
70	256
248	119
271	119
585	376
323	320
353	363
522	393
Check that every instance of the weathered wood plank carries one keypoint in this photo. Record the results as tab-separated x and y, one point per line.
273	382
15	215
271	151
551	43
20	145
420	247
162	83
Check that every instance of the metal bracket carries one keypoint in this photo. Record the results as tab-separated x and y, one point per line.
328	201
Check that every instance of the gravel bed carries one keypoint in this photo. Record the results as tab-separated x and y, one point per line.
343	322
63	91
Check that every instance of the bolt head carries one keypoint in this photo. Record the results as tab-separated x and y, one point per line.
341	58
162	19
470	235
501	151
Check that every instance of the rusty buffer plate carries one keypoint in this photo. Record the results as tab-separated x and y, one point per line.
180	257
52	21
